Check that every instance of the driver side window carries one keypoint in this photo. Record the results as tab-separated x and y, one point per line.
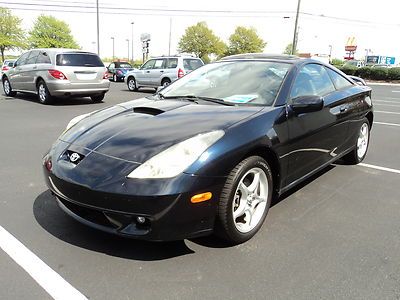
312	80
21	59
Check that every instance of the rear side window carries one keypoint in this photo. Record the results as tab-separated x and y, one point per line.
78	60
10	63
191	64
159	64
172	63
338	80
124	65
43	58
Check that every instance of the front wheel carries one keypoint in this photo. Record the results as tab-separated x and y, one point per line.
132	84
7	88
245	200
359	152
43	93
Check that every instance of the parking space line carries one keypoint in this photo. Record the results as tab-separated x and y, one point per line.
387	101
56	286
387	112
389	124
379	168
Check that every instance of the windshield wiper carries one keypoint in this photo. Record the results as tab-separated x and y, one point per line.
194	98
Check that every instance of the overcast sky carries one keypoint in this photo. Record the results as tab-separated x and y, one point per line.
375	25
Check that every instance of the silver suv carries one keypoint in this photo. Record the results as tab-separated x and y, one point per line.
161	71
57	73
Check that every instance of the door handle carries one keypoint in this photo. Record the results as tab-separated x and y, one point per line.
147	71
35	67
161	71
343	109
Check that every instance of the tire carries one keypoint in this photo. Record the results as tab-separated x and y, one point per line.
359	152
7	88
97	98
245	196
131	82
43	93
165	82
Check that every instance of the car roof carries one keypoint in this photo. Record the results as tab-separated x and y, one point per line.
264	56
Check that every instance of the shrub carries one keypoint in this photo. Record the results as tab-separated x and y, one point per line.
379	73
348	70
394	73
364	72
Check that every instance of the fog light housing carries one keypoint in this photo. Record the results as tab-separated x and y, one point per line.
141	220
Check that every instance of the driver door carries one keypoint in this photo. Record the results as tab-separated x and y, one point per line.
315	137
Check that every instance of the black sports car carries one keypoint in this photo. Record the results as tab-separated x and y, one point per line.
118	69
208	152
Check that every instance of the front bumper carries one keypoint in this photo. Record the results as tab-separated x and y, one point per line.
168	216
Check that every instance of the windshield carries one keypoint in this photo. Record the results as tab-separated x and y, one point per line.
238	82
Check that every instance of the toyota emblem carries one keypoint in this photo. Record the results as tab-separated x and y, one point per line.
74	157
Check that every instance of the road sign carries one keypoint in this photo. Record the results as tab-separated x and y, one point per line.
144	37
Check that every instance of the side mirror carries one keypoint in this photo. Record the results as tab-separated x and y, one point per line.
305	104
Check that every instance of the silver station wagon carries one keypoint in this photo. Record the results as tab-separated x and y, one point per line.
55	72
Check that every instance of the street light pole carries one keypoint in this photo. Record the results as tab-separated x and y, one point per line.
330	53
294	43
132	41
98	28
128	48
113	46
170	30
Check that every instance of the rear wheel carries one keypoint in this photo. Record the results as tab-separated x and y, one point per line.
359	152
165	82
132	84
245	200
7	88
43	93
97	98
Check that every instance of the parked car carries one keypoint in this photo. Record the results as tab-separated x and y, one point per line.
354	63
161	71
203	156
55	72
7	64
118	69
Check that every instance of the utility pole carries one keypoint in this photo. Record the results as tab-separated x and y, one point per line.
98	28
128	48
294	43
113	46
132	42
170	30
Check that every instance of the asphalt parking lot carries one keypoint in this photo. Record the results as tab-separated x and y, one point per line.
336	237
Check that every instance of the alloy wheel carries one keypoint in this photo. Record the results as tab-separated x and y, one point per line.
362	142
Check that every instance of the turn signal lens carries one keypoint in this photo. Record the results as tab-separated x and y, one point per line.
201	197
180	73
105	76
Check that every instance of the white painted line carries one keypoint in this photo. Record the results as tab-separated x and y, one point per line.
387	101
383	104
397	91
387	112
389	124
45	276
379	168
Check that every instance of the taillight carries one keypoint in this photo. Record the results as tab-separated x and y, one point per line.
105	76
180	73
5	68
58	75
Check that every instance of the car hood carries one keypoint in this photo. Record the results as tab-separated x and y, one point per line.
137	130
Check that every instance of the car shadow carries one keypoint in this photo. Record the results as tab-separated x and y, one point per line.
51	218
56	102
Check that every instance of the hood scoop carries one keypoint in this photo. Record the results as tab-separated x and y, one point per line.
148	110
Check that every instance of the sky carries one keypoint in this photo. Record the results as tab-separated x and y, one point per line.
375	25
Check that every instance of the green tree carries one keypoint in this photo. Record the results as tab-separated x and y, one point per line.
11	34
200	40
49	32
245	40
288	50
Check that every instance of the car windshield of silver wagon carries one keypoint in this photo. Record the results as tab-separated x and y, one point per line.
235	82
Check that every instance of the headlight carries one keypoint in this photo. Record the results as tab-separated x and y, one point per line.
76	120
176	158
